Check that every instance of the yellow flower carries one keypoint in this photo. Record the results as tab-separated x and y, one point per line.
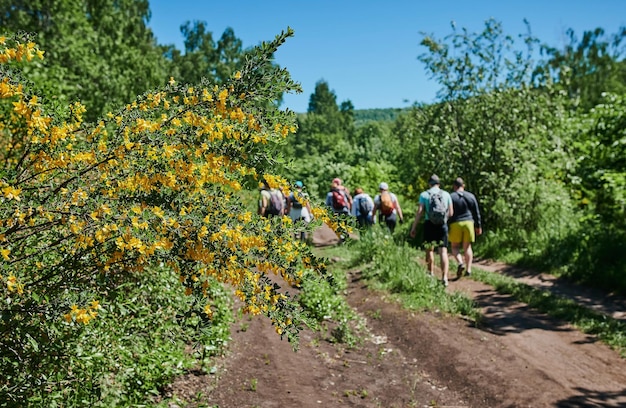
21	108
208	311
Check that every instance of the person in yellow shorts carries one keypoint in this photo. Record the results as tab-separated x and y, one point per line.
463	226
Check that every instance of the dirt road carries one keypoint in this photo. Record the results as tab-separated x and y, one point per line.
518	358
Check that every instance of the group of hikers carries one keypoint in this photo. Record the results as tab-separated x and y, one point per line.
448	217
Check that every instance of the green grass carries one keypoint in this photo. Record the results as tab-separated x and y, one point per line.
393	267
324	299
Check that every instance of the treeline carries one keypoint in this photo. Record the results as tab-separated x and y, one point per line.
103	54
540	141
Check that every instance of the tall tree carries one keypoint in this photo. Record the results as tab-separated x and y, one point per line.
466	64
325	116
588	67
202	57
100	52
493	129
205	59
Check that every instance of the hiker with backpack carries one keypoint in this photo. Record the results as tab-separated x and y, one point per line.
362	207
299	208
436	206
271	201
388	205
345	189
463	226
338	199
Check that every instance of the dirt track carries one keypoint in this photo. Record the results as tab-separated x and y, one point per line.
519	358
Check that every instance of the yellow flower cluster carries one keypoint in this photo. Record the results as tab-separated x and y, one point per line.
83	316
19	52
154	183
13	285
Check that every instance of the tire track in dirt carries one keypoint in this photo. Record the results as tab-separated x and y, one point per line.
576	370
517	358
610	304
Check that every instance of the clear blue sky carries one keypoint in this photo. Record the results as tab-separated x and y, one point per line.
367	50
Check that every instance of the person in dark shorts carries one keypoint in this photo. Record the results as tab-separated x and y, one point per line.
435	234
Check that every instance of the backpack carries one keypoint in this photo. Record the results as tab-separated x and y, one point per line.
437	209
295	203
386	203
365	206
276	203
339	200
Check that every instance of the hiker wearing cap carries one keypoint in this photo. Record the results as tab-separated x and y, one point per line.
338	198
436	206
362	207
463	226
387	205
299	208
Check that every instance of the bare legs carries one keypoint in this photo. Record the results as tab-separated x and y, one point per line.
430	262
456	254
443	254
467	258
468	254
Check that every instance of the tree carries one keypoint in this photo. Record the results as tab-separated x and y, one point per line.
600	147
324	115
588	68
466	64
99	52
494	129
202	57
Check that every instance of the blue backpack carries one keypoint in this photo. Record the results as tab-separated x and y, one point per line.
365	206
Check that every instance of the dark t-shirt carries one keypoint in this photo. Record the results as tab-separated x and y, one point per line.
465	207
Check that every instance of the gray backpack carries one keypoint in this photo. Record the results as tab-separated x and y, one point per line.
277	203
437	209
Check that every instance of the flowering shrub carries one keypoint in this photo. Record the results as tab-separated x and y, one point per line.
84	207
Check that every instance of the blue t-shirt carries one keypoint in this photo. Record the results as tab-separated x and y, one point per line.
425	199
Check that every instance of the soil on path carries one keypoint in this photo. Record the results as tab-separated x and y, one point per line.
517	358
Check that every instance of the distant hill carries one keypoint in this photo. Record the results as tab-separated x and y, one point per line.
362	116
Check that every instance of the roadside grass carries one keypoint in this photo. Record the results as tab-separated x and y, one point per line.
393	267
325	302
610	331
